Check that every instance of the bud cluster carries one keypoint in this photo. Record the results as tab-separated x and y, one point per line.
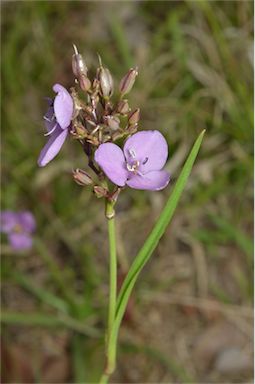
98	119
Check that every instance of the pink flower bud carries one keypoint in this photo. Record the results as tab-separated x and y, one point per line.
113	122
127	81
134	117
78	64
106	82
132	129
123	107
85	83
100	191
81	177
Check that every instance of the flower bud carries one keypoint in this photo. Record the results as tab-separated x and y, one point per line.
95	85
132	129
114	196
113	122
78	131
117	135
134	117
127	81
85	83
78	64
100	191
123	107
106	82
81	177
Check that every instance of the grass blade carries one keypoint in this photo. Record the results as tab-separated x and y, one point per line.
48	320
41	293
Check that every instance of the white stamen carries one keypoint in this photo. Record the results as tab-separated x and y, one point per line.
51	131
47	119
134	167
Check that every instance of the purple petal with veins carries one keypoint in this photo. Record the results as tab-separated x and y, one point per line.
149	148
57	121
63	106
153	181
53	146
49	120
112	161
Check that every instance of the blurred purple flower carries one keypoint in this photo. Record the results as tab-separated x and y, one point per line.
57	122
19	227
140	163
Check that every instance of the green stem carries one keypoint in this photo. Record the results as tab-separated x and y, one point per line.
110	366
104	379
113	273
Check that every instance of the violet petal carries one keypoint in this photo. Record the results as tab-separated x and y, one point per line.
49	119
8	220
20	241
149	148
27	221
152	181
111	159
53	146
63	106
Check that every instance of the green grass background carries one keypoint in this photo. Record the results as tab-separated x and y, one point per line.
195	73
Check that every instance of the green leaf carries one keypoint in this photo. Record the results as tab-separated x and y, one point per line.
41	293
151	243
48	320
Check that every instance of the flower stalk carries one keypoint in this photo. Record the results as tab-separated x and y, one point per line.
110	213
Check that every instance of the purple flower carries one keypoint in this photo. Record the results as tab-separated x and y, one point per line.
57	121
19	227
140	163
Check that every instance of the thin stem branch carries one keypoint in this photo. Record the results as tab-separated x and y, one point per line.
110	362
113	273
104	379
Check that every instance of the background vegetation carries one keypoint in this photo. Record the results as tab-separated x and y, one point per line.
190	317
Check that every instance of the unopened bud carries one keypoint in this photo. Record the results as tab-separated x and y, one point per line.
85	83
78	64
134	117
123	107
132	129
79	131
127	81
113	122
106	82
100	191
114	196
81	177
95	85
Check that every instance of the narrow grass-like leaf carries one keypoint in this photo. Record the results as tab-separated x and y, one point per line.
151	242
236	235
121	41
78	352
41	293
49	321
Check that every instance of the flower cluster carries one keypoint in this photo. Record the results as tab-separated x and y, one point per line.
107	132
19	227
